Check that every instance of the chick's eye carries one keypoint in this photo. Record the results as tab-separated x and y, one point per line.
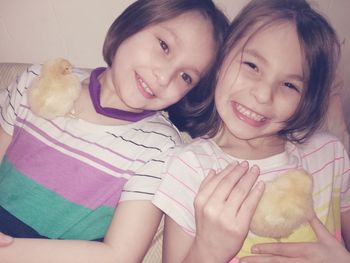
187	78
251	66
164	46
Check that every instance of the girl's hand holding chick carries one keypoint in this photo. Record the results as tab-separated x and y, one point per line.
327	249
225	204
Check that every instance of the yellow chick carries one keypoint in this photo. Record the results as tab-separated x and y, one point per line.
286	204
52	94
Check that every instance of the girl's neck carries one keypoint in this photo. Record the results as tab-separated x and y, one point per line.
118	110
251	149
108	96
99	103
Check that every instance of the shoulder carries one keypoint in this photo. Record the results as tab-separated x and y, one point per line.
323	140
29	74
35	70
203	154
159	126
321	145
198	146
82	73
17	89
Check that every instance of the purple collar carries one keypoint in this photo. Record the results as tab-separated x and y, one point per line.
95	92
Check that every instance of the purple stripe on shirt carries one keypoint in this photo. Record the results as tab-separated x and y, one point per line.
74	150
65	175
78	138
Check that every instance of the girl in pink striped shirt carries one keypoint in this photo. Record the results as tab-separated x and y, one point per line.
277	67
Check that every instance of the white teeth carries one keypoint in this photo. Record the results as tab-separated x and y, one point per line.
144	85
252	115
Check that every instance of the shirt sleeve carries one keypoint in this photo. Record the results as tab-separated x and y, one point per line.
176	193
146	179
144	183
12	97
345	185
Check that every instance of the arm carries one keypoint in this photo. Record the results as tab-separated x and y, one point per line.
5	140
127	240
5	240
327	249
345	227
176	242
224	207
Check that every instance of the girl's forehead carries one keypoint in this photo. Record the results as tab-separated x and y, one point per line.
188	16
272	45
259	32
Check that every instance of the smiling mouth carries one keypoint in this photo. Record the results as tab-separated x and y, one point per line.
144	85
249	114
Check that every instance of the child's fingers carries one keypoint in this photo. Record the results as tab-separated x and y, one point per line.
278	249
249	205
208	180
213	178
241	190
5	240
320	230
211	181
224	188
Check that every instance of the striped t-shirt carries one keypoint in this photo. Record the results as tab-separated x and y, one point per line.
62	178
323	157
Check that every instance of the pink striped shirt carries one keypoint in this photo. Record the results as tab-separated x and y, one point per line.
323	157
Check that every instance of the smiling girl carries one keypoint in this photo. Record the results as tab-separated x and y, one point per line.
271	95
62	178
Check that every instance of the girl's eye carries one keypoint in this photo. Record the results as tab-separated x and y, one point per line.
164	46
187	78
251	65
291	86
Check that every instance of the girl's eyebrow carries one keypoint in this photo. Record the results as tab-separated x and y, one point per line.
255	54
171	33
296	77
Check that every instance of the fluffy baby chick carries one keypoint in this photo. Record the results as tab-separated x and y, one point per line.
286	204
53	93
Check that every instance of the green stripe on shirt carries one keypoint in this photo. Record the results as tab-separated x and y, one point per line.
48	213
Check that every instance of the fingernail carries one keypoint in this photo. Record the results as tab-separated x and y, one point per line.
254	169
4	238
244	164
254	249
233	164
260	185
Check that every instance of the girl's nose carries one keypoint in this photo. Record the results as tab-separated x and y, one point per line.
263	93
163	75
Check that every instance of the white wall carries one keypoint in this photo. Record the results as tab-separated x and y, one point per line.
35	30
